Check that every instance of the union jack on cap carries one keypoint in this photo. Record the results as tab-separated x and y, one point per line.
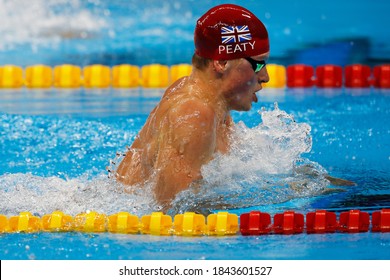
235	34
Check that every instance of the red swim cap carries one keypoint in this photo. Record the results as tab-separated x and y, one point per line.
229	32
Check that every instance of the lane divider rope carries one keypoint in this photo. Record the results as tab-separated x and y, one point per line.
161	76
193	224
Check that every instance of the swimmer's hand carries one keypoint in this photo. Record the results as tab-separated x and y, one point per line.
338	181
308	169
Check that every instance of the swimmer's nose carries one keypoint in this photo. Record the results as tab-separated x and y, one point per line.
262	76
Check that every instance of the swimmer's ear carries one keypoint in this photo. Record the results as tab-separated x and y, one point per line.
220	65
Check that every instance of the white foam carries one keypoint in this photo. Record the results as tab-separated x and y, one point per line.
42	195
264	166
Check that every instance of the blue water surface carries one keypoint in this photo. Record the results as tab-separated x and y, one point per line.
350	135
127	31
53	140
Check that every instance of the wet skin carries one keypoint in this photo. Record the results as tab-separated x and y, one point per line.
189	126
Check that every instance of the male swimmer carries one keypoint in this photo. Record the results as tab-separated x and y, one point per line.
192	121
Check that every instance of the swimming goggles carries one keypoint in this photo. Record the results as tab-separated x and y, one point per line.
257	65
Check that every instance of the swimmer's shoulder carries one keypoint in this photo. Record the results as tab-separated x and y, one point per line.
180	100
194	111
177	86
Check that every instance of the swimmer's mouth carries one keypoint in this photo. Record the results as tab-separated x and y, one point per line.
254	97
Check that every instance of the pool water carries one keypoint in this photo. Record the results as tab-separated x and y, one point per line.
56	145
115	32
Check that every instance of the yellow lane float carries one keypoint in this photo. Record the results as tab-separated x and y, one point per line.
97	76
189	224
125	76
222	223
180	70
57	221
39	76
155	76
25	222
3	224
90	222
11	76
67	76
156	224
123	222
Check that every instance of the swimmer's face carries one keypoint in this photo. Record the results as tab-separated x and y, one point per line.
243	79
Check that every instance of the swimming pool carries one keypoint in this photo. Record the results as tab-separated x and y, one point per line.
56	159
56	143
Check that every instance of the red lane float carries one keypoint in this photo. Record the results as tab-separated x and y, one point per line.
329	76
357	76
382	76
381	221
354	221
255	223
321	221
288	222
300	75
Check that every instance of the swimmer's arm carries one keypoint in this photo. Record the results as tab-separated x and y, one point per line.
339	182
128	171
189	143
308	169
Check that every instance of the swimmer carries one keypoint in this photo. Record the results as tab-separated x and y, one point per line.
192	122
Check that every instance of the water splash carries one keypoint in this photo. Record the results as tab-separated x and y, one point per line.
53	145
58	163
265	166
42	195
